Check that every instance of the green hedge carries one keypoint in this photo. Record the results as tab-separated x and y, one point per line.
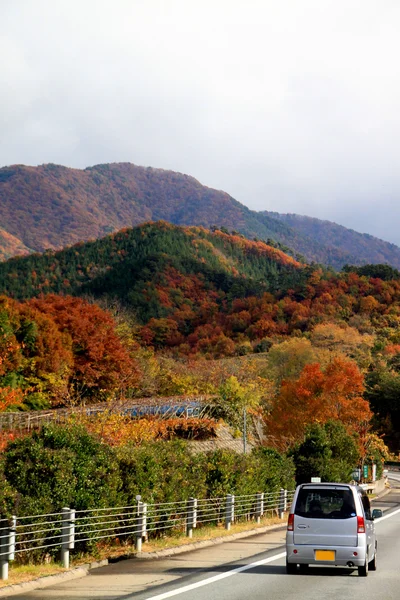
66	466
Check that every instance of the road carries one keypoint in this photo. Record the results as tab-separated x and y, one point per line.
253	568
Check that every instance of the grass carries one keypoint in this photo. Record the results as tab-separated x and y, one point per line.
24	573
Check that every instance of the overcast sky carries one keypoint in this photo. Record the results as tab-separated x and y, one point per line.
288	105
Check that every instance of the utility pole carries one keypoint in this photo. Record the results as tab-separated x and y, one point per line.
244	429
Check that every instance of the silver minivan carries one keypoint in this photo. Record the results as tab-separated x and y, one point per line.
331	524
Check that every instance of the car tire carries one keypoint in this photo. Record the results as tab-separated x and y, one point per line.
291	568
372	563
363	570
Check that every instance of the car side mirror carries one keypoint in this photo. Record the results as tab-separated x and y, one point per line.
376	513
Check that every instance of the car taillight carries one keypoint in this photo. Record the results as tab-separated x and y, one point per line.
290	523
360	525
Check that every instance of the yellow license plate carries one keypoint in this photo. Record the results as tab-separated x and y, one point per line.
324	555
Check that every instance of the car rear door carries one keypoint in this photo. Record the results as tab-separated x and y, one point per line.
329	526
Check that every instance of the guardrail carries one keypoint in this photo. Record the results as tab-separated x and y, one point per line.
375	487
31	538
368	487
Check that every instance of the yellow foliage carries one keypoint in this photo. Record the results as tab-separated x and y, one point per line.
116	429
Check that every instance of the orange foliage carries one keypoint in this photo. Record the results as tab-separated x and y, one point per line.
10	397
392	349
10	349
117	430
53	349
195	308
317	397
100	360
368	304
259	248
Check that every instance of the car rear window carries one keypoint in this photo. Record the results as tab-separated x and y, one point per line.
317	503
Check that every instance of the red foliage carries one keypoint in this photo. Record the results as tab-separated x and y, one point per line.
100	360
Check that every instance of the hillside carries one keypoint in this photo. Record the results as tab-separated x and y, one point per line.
134	265
188	286
339	239
11	246
51	206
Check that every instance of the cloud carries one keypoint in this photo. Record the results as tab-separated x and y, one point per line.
288	106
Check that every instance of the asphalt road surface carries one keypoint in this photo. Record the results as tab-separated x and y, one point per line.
251	568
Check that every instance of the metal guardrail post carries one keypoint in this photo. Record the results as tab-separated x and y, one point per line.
191	519
259	506
4	549
67	535
13	529
230	511
282	503
141	524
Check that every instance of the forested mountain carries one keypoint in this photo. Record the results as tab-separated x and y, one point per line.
189	286
367	248
50	207
134	265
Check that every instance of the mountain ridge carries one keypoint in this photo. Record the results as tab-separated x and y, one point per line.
52	206
137	265
339	236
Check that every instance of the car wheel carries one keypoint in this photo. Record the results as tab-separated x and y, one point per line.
291	568
372	563
363	570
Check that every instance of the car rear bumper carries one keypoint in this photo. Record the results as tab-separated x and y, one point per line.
344	555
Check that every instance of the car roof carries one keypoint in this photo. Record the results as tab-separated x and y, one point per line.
327	484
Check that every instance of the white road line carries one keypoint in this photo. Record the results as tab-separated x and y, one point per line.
396	512
193	586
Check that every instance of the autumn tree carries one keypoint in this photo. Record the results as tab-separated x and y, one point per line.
340	338
10	348
286	360
10	397
234	399
99	359
34	356
316	397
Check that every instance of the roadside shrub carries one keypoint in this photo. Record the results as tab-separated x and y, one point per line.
61	466
68	466
275	470
7	494
161	472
